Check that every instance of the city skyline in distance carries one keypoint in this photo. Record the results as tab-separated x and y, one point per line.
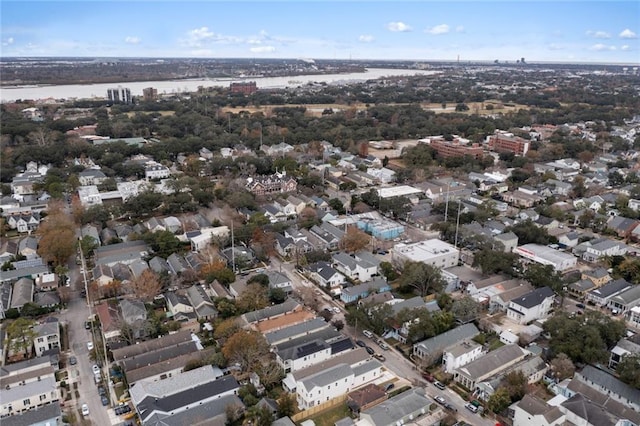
540	31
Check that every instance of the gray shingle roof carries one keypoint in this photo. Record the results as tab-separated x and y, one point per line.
610	382
534	298
492	361
440	342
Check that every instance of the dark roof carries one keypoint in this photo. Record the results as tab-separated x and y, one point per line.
610	288
611	383
35	416
152	345
585	409
160	355
341	345
189	396
534	298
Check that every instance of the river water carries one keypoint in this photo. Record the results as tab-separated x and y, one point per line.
86	91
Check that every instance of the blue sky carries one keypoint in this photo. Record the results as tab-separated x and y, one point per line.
564	31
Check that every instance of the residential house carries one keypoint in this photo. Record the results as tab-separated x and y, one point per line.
188	399
110	321
125	253
276	183
47	282
177	264
509	241
460	354
532	306
323	274
634	204
622	226
633	316
28	247
521	199
158	265
338	380
48	414
284	246
625	300
153	170
178	304
608	384
354	269
376	285
329	235
270	312
532	411
625	346
294	331
24	223
489	365
47	336
602	247
404	408
306	350
26	386
559	187
201	303
601	296
8	250
581	410
134	314
570	239
366	397
279	280
22	293
431	350
277	150
47	299
91	177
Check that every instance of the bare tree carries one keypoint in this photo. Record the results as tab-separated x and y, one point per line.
146	286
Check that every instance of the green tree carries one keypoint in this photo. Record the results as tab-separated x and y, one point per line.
562	367
88	244
20	335
287	405
422	277
629	370
337	205
493	262
499	401
465	310
163	243
388	271
515	382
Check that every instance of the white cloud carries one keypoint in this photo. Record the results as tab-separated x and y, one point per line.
9	42
627	33
625	47
262	49
599	47
398	27
132	40
438	29
203	36
365	38
598	34
459	29
201	33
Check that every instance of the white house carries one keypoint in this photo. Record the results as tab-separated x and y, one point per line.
326	276
460	354
47	336
332	382
634	204
153	170
532	306
27	385
604	247
531	411
353	268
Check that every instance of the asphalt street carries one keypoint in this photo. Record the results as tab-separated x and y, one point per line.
395	361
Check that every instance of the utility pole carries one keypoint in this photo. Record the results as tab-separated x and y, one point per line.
233	251
457	225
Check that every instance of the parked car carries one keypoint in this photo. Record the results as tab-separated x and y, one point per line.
369	350
388	387
439	385
471	407
85	410
96	369
87	325
384	346
104	400
379	357
428	377
440	400
580	305
361	343
101	391
122	409
336	310
367	333
89	346
450	407
73	360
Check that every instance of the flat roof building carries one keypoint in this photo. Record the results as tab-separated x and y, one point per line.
547	256
432	252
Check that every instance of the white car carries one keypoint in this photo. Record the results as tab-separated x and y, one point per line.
96	369
367	333
85	410
89	346
336	310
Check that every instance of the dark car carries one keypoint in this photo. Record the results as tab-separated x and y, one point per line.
73	360
388	387
361	343
450	407
439	385
105	400
101	391
428	377
580	305
370	350
122	409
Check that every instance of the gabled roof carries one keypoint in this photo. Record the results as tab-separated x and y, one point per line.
440	342
534	298
394	410
610	288
492	361
271	311
610	383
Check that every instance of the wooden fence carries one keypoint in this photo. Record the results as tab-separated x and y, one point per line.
318	408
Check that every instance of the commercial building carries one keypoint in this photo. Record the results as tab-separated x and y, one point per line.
547	256
432	252
150	94
246	88
458	147
507	142
399	191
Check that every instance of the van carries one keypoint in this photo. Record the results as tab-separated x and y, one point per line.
368	333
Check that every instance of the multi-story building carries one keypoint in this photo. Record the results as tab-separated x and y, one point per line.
506	142
432	252
119	95
150	94
27	385
455	148
246	88
278	182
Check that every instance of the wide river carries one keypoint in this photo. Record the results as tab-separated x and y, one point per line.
84	91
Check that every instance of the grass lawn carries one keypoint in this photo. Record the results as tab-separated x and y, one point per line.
329	417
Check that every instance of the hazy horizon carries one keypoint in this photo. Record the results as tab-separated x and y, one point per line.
477	31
